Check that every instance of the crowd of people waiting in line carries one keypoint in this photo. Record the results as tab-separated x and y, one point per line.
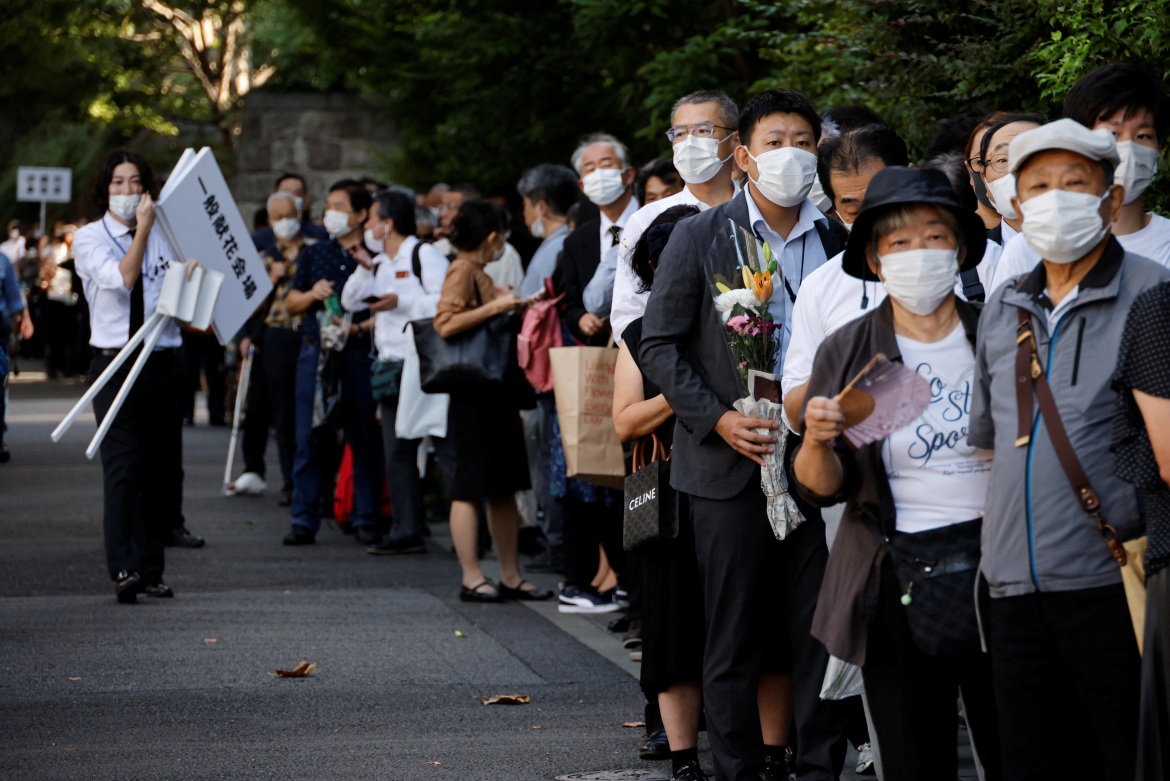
1017	270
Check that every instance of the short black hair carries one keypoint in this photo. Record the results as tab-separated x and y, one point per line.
851	152
1003	121
475	221
1105	91
851	117
952	133
359	197
399	208
260	218
644	258
556	185
100	190
290	175
663	168
777	101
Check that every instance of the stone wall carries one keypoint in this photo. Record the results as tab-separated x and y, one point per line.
322	137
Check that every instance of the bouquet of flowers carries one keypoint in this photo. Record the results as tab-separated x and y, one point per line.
751	335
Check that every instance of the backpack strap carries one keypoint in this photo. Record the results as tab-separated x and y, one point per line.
973	289
833	236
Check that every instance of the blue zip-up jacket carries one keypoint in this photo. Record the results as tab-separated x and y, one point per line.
1036	537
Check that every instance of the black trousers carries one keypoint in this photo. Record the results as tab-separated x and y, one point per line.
257	416
204	352
1067	682
759	595
408	522
1154	756
142	465
912	698
586	527
279	356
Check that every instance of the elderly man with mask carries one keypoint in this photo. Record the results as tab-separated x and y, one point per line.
294	185
1064	654
703	132
607	179
759	592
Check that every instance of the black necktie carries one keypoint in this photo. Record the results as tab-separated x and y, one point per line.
137	302
616	232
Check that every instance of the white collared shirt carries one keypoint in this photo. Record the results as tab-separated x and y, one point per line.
799	255
396	275
622	220
98	248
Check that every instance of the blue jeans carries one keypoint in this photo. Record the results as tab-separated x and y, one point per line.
361	432
5	365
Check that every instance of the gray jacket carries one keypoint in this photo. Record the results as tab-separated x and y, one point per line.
1036	537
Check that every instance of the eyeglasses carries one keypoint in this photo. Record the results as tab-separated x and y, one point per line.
975	164
997	163
698	130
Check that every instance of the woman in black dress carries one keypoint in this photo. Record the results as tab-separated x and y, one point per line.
485	439
1141	441
673	632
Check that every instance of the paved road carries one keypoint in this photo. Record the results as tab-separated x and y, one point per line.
182	689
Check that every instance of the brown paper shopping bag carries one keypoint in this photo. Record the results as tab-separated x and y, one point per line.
583	385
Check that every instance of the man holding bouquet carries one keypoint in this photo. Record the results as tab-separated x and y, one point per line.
759	593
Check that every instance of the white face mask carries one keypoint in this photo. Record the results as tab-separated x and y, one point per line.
1138	165
1062	226
300	204
374	243
14	234
125	206
697	159
819	197
286	228
537	229
604	186
1002	191
786	175
337	223
919	279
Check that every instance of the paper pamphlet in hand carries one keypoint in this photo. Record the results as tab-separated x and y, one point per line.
881	399
200	219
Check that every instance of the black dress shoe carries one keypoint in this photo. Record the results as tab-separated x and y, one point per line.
619	625
181	538
397	547
368	535
474	594
299	535
127	587
525	595
159	590
657	746
285	498
5	456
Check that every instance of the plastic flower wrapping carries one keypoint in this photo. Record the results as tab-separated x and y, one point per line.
742	295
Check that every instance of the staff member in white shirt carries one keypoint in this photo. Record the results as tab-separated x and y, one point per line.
121	262
406	275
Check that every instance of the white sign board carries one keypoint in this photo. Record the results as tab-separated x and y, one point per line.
38	185
202	222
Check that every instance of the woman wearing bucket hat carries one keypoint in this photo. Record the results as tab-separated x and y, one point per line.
916	496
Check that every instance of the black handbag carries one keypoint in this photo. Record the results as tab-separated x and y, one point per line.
651	504
937	570
470	360
386	380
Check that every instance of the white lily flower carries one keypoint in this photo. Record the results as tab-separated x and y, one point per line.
725	302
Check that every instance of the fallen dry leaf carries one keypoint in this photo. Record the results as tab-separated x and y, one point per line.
210	640
75	677
302	670
504	699
633	724
537	726
459	634
434	763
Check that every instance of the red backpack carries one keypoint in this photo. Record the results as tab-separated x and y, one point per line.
539	332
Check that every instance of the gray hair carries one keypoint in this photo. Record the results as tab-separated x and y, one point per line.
424	216
556	185
281	195
728	112
599	138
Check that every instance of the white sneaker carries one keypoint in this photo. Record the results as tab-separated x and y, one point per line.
575	599
865	760
247	484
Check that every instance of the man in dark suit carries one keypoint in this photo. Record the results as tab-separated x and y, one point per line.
759	593
607	179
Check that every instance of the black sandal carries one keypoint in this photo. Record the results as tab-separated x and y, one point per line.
531	595
474	594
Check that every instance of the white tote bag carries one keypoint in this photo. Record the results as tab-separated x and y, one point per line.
419	414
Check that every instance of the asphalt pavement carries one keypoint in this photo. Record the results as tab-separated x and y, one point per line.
185	688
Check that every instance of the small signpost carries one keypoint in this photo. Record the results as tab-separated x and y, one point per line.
46	185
